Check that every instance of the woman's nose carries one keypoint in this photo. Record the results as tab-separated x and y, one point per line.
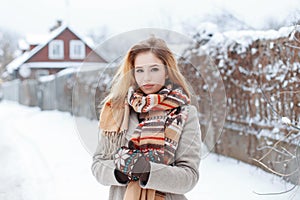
147	76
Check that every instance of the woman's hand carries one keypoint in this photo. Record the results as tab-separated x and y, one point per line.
141	169
125	160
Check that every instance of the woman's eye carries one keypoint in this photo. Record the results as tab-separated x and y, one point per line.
139	70
155	69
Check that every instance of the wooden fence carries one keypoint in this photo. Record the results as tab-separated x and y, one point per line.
262	84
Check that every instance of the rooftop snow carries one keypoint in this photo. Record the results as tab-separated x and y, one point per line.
243	37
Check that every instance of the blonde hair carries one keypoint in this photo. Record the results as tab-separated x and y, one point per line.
124	78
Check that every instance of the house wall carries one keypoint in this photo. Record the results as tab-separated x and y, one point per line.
66	36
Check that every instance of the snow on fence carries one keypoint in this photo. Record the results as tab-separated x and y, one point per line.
71	90
49	92
261	79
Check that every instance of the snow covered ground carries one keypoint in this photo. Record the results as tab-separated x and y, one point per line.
42	158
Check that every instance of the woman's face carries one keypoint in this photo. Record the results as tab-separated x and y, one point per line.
149	72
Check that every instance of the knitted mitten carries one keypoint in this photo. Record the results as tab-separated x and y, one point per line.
125	160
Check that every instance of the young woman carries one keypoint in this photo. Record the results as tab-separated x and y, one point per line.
150	134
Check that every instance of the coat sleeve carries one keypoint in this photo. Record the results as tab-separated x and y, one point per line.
184	175
103	166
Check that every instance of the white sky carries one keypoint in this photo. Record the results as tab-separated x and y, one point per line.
37	16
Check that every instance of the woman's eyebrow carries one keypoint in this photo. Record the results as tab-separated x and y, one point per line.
154	65
149	65
138	67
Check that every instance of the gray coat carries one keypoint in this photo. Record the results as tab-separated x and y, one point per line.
175	180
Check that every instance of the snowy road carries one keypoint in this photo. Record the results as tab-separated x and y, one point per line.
41	158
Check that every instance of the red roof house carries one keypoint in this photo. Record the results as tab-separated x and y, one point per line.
62	49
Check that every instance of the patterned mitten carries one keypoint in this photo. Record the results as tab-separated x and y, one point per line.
125	160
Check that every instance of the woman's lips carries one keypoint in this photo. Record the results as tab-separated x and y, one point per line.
148	86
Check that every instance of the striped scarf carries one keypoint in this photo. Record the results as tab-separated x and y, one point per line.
162	118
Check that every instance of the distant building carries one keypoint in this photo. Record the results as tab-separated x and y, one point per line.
62	49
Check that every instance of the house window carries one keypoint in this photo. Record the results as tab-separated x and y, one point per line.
56	49
77	49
